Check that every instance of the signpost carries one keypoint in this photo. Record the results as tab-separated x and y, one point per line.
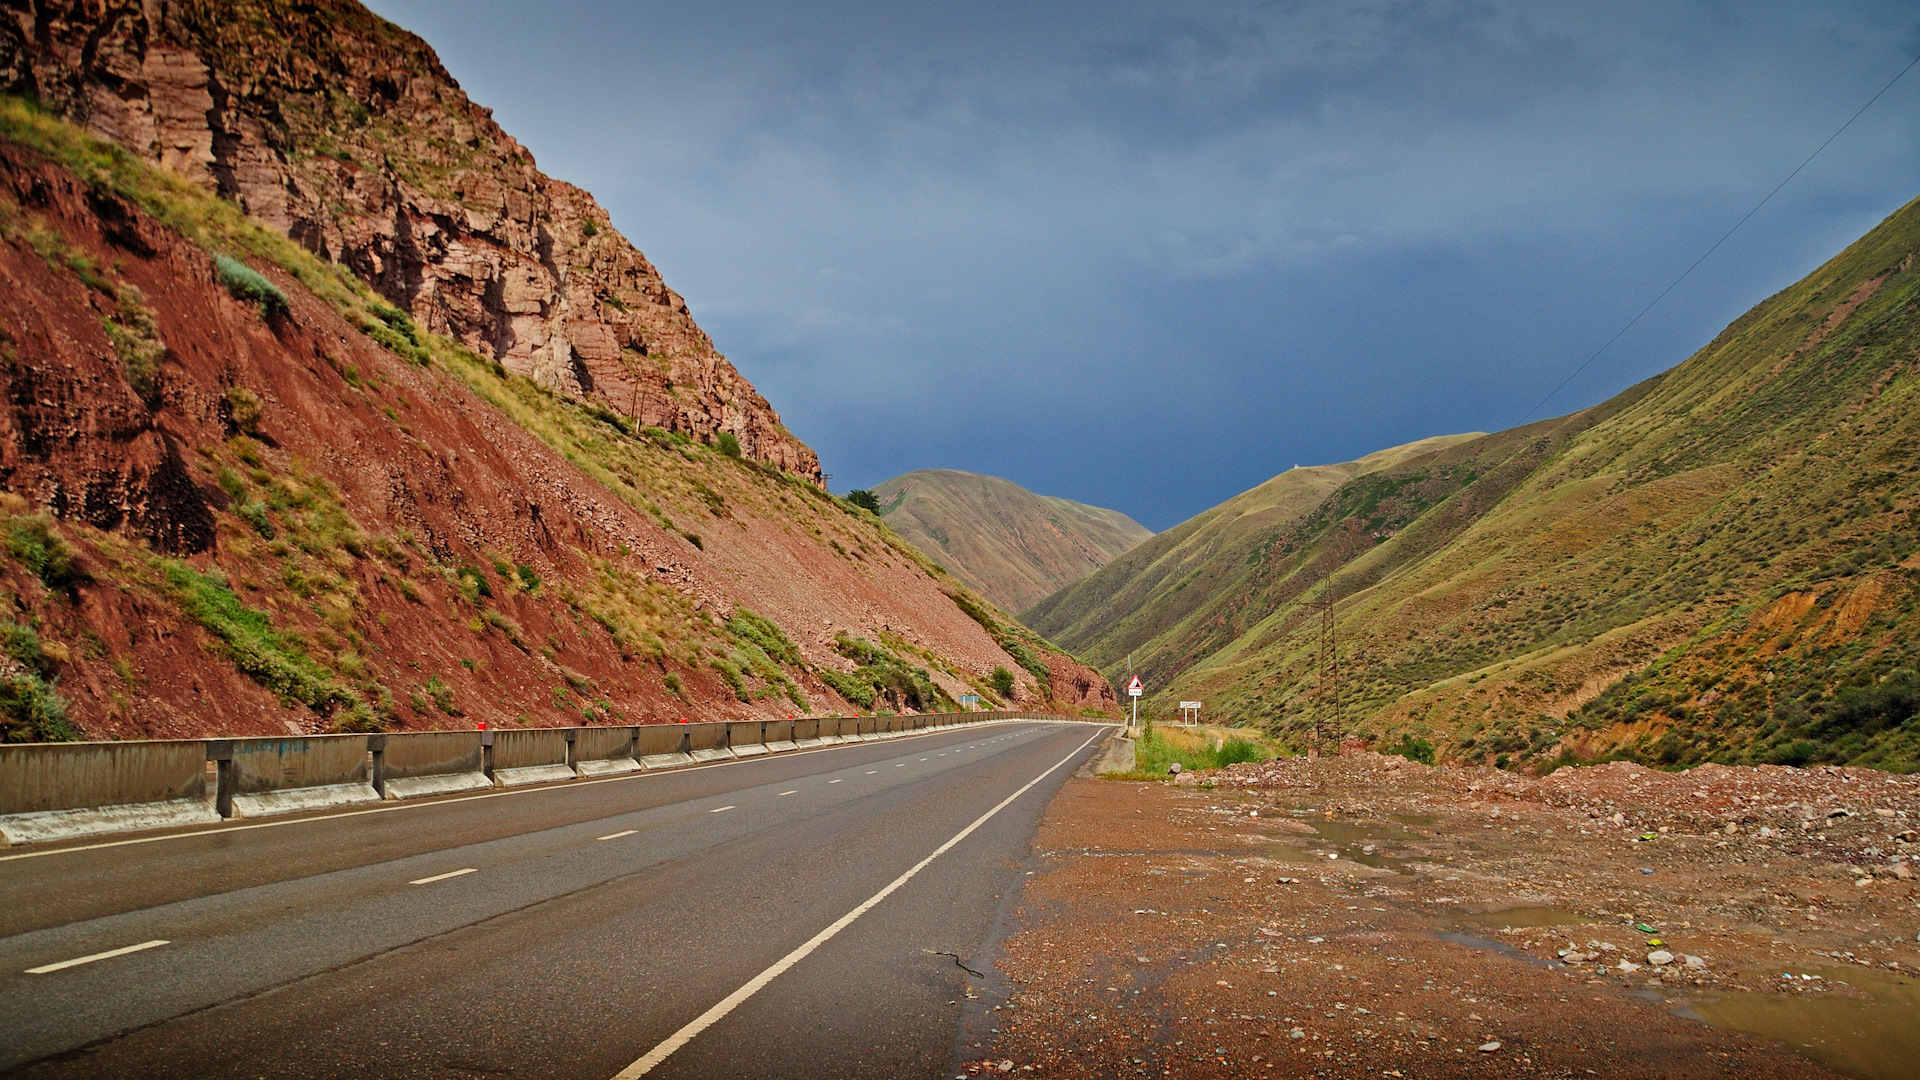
971	701
1134	689
1190	712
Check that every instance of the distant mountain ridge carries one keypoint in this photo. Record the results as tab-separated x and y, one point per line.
1721	563
1010	545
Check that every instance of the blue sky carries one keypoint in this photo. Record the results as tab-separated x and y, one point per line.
1148	255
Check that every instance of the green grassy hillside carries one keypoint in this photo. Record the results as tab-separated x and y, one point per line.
1181	594
1009	544
1715	564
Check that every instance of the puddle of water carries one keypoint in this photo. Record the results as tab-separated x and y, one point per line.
1414	819
1346	833
1527	916
1872	1038
1488	945
1352	838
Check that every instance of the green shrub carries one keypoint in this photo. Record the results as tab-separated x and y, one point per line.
246	284
529	580
243	406
852	687
734	680
442	696
727	443
1002	682
1413	749
864	499
255	514
758	630
1796	753
1238	751
1869	709
35	544
472	583
30	710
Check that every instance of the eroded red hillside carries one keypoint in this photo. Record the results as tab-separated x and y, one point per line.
278	521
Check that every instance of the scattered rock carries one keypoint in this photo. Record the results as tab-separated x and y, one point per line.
1659	958
1489	1047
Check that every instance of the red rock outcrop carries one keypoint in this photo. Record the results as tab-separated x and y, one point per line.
344	132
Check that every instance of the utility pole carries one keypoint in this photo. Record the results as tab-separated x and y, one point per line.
1327	719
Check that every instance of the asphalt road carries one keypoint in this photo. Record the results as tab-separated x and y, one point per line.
554	932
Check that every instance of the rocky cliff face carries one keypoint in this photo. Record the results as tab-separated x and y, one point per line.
233	500
344	132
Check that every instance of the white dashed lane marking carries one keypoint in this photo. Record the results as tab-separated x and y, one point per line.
617	835
443	877
46	969
719	809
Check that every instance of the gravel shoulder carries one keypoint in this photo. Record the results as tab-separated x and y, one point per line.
1364	916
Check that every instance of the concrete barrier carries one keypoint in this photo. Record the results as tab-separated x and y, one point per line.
708	742
58	791
806	734
421	763
747	738
1116	757
778	735
604	751
663	746
264	777
63	790
529	756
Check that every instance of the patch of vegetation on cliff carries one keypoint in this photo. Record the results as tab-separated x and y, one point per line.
273	659
30	709
883	678
248	285
1009	639
35	543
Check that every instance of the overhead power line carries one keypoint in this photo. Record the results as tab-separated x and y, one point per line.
1716	244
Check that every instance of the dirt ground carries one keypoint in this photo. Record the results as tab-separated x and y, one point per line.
1368	917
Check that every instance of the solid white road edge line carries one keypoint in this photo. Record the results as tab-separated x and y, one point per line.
108	955
617	835
753	986
443	877
425	804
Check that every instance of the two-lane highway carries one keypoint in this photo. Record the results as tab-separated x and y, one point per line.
796	914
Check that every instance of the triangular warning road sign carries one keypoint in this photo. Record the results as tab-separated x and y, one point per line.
1135	684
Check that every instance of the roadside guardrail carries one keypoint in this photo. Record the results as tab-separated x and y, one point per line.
62	791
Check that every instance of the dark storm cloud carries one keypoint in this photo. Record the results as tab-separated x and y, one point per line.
1148	255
